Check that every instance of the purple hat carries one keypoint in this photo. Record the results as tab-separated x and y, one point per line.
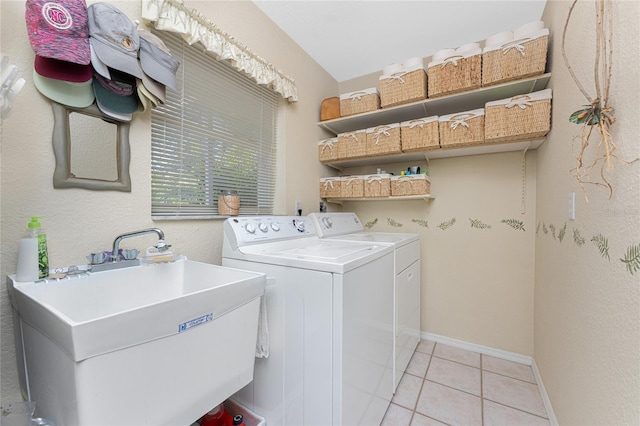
120	83
114	38
59	30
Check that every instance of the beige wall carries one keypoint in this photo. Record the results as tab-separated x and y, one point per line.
587	307
78	221
477	284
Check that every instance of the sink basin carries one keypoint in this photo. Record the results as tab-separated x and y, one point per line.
150	344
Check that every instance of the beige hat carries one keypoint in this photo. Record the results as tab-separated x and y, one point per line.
147	98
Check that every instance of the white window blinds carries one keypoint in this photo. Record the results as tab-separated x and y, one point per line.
216	132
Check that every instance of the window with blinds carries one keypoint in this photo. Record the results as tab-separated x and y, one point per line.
216	132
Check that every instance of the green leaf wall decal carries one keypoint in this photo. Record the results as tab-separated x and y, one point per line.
445	225
476	223
538	228
632	259
421	222
552	227
603	245
518	225
578	239
562	232
544	228
371	223
393	223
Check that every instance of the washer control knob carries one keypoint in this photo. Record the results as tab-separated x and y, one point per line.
299	225
263	227
327	222
251	228
275	227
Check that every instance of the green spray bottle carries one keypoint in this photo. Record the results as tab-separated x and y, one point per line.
35	229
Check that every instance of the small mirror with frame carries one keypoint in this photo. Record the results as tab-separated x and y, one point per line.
98	162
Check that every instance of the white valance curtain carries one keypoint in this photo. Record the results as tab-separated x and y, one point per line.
174	16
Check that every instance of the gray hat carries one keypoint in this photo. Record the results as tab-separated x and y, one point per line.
156	61
114	38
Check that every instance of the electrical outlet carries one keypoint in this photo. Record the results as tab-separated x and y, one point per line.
572	206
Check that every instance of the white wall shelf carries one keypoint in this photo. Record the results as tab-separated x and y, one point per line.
424	197
449	104
436	153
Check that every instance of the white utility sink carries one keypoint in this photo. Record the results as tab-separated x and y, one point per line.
147	345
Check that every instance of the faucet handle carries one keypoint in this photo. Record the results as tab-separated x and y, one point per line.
162	246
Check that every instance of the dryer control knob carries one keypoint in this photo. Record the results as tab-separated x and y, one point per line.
263	227
251	228
275	227
327	222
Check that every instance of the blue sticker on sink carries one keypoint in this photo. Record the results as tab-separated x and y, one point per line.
194	322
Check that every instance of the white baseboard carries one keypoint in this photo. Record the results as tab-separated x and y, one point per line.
486	350
499	353
543	393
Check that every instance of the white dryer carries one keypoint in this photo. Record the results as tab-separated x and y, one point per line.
330	322
347	227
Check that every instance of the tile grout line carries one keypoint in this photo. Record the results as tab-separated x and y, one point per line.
517	409
511	377
457	362
481	392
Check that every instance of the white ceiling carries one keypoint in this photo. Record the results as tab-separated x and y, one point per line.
353	38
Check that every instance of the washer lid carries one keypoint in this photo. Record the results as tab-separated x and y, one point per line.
325	255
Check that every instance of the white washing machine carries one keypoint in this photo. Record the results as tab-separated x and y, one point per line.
330	322
347	227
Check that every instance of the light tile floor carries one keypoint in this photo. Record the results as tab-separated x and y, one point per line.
444	385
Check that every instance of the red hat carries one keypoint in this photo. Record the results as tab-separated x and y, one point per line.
62	70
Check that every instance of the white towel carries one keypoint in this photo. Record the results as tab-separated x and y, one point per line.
262	342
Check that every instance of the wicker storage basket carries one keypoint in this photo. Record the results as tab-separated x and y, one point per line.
358	102
410	185
383	140
328	149
378	185
352	187
518	118
421	134
515	59
462	129
330	187
352	144
330	108
455	74
403	87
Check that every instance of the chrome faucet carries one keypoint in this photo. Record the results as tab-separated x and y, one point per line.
161	246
